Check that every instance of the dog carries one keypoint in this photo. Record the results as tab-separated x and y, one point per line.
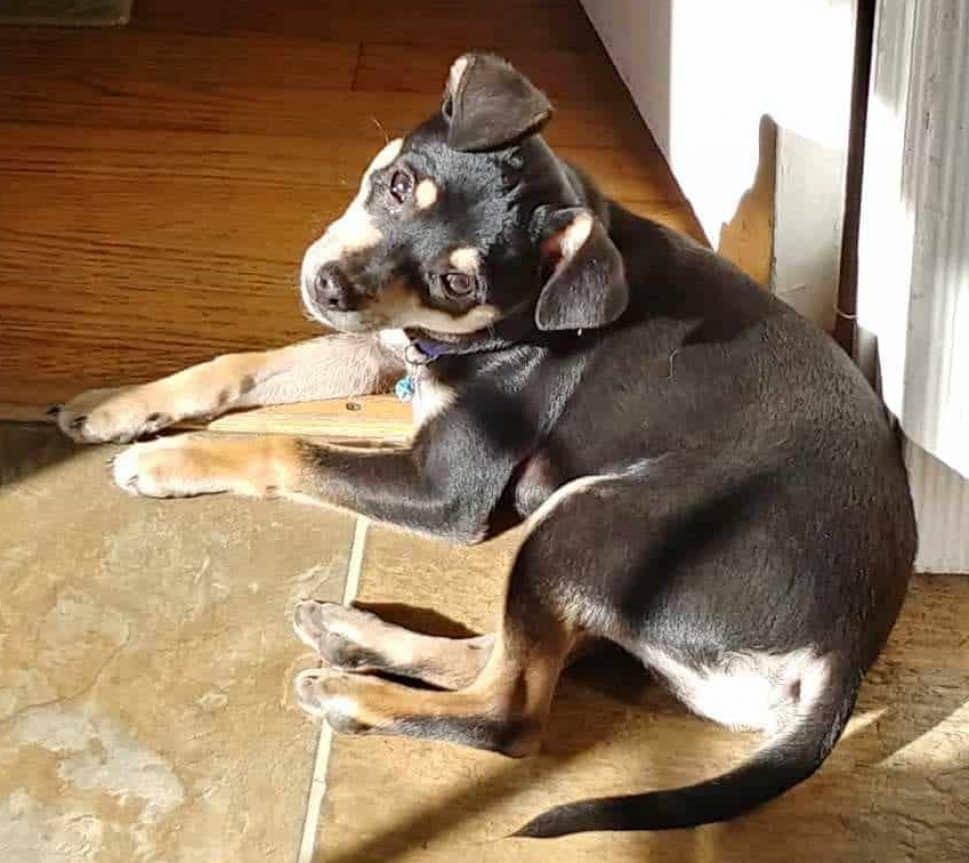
706	479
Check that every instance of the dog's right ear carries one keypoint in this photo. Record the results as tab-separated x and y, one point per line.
489	104
587	285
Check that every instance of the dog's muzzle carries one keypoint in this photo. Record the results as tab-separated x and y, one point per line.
331	290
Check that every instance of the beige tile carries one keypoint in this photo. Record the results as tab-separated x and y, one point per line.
896	788
145	657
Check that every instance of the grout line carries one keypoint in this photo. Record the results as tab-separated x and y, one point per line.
307	843
355	566
321	761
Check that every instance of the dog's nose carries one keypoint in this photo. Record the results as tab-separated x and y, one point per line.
332	289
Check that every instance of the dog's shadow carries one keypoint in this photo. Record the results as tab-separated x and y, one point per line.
895	787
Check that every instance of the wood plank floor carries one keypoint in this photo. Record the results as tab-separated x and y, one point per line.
159	183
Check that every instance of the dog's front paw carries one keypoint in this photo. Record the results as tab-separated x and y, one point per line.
171	467
117	415
330	694
339	634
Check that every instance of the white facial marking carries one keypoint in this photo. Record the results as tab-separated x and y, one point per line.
389	152
425	195
354	231
466	259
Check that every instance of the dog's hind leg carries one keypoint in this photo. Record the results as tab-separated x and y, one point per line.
328	367
352	639
503	708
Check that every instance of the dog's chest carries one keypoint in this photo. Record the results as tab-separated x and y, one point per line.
430	397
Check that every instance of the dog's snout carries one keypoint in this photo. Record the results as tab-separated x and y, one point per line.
332	289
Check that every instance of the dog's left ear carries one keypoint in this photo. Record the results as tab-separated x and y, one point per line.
587	287
489	104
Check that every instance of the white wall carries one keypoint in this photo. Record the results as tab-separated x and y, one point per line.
913	258
704	72
637	36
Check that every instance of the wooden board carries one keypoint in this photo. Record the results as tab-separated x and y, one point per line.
367	421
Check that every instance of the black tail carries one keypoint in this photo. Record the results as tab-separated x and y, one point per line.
789	758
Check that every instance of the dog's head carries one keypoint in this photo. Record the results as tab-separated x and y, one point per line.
467	221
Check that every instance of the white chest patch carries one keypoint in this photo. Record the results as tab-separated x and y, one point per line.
395	340
430	395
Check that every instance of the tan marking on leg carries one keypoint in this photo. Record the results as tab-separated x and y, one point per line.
207	464
425	195
329	367
503	709
353	639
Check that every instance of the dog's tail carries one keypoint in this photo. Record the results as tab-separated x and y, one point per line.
789	758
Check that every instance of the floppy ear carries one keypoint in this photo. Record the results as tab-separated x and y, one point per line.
489	104
587	287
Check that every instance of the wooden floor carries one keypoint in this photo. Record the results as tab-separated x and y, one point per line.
159	183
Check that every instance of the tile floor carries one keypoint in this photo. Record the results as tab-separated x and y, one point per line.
145	653
145	659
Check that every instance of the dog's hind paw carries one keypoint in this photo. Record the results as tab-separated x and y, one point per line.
329	694
338	634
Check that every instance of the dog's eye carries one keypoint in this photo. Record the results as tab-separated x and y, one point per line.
458	284
401	185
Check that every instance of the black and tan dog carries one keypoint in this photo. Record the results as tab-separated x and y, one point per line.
708	481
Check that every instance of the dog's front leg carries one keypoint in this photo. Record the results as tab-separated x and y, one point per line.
328	367
446	484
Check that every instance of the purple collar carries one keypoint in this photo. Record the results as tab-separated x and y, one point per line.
420	352
431	350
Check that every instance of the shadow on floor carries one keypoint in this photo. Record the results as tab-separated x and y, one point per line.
894	789
26	448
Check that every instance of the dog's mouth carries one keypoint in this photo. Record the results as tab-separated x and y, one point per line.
366	316
347	322
396	306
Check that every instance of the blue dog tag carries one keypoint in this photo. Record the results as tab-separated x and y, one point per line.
404	389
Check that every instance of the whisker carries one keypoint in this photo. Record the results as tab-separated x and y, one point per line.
383	132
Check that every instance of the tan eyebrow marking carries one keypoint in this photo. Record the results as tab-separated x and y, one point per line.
466	259
425	194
